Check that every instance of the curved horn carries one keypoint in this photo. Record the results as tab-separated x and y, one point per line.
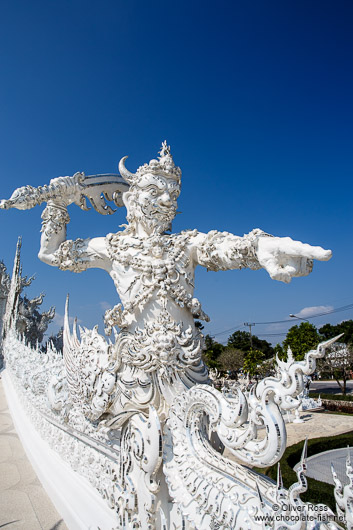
129	177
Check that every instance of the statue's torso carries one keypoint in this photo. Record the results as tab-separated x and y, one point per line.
152	273
154	278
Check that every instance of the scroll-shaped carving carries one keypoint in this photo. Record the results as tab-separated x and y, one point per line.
266	401
197	475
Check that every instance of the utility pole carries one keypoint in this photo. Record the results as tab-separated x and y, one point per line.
250	325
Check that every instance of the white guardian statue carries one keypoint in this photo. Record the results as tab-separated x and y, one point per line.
144	401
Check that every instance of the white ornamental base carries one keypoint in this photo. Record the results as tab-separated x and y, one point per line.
78	503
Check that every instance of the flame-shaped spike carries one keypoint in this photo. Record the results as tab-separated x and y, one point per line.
260	496
66	317
333	471
327	343
279	477
74	333
304	452
290	358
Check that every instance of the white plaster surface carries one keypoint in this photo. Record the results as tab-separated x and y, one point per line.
78	503
24	504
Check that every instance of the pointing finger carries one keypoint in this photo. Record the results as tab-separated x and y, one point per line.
286	245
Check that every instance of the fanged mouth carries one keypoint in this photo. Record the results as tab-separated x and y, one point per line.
165	213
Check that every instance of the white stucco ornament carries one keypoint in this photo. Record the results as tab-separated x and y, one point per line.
308	403
134	414
344	494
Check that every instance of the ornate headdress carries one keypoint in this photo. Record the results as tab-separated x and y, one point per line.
163	166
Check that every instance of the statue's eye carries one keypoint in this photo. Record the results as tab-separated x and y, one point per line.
153	192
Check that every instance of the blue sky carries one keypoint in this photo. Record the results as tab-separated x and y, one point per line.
255	99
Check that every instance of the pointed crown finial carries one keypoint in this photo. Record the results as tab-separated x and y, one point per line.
163	166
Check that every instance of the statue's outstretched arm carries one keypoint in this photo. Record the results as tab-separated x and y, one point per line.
282	257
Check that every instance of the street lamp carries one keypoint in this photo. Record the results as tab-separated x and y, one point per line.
299	318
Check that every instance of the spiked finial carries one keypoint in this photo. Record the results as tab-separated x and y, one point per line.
163	166
260	496
290	358
304	454
165	150
279	477
333	471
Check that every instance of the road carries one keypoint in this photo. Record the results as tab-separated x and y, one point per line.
330	387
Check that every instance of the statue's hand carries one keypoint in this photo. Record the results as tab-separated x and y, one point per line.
68	190
285	259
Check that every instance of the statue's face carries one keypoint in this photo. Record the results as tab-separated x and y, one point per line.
154	202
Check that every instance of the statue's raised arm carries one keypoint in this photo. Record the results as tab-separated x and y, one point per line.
55	250
281	257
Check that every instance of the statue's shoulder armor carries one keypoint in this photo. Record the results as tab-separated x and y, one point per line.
116	243
184	239
185	235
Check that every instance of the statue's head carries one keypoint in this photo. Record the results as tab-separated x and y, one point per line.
153	193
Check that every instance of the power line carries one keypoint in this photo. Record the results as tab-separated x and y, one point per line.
271	334
227	330
337	310
275	322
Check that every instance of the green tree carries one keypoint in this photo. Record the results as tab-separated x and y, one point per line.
301	339
252	362
231	359
267	368
328	331
280	351
212	352
240	340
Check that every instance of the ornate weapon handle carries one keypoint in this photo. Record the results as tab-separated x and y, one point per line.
75	189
